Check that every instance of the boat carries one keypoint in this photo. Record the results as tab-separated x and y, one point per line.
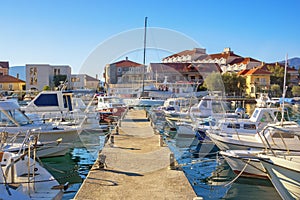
60	106
265	101
211	105
110	108
22	177
19	184
16	123
284	173
282	167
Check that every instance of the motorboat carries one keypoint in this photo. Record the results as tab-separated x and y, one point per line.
16	123
235	133
284	173
284	143
110	108
24	178
60	106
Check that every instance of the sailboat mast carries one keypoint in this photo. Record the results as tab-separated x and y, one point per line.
144	57
284	88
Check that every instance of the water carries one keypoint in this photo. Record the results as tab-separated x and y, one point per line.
211	177
75	165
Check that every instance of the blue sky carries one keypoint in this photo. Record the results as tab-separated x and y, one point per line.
69	31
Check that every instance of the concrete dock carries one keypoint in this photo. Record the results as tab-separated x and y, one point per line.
136	166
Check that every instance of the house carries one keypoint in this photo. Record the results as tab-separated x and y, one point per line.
40	75
291	71
10	83
257	80
84	81
4	67
124	77
7	82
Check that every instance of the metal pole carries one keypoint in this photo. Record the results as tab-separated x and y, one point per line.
144	57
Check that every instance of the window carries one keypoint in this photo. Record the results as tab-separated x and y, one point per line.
46	100
1	86
10	86
56	71
232	125
250	126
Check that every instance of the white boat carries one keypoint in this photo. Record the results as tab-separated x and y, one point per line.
285	142
264	101
284	173
22	177
61	107
17	124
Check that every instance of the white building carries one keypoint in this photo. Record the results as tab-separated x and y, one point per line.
84	81
40	75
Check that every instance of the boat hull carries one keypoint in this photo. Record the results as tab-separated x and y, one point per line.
285	176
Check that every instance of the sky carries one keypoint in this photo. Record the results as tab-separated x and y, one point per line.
74	32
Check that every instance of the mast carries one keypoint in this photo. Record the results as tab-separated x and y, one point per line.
284	88
144	57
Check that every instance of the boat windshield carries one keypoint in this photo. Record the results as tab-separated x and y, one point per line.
7	116
112	100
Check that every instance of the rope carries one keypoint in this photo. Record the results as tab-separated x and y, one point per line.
241	172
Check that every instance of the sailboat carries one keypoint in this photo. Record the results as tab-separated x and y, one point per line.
145	99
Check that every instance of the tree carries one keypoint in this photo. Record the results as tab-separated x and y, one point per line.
58	78
296	91
276	90
214	82
277	76
46	87
234	84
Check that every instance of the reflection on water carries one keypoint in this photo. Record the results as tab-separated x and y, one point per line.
75	165
212	178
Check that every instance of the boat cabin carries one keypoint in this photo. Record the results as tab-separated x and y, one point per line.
49	101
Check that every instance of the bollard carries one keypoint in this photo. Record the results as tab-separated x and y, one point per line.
172	161
161	141
101	161
112	140
117	130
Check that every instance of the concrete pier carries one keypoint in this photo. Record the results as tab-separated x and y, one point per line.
136	166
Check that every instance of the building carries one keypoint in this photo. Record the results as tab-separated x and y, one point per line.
180	77
257	81
84	81
40	75
10	83
4	67
291	71
7	82
187	56
124	77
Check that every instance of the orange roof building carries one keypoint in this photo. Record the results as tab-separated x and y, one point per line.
257	80
10	83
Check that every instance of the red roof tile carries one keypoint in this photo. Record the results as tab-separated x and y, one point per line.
10	79
258	71
126	63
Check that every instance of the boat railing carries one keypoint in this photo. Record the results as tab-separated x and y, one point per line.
281	130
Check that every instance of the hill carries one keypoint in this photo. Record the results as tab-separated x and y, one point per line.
293	62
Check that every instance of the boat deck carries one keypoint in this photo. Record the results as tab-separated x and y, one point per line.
136	166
